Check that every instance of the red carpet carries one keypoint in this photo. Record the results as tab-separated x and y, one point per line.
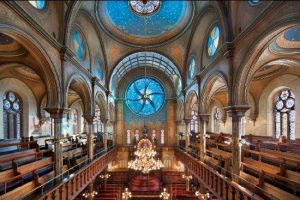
144	183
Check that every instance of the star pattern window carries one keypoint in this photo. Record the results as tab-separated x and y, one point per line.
79	45
213	41
144	7
38	4
145	96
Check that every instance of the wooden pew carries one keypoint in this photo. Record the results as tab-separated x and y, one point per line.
273	173
268	188
18	145
281	160
21	157
221	156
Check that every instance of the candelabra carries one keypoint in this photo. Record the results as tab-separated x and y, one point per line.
126	194
104	177
164	195
187	181
202	196
89	195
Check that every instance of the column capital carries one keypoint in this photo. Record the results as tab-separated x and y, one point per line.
237	110
198	78
187	121
179	122
204	117
89	118
58	112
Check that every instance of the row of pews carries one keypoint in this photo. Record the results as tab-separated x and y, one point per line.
276	172
29	165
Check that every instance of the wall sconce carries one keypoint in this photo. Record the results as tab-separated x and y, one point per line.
88	195
164	195
202	196
126	194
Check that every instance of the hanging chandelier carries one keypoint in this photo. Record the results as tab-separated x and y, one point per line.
145	158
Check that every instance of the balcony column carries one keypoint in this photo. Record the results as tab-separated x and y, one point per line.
105	134
57	114
187	134
236	113
90	135
202	129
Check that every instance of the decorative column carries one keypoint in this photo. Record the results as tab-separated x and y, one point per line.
105	134
187	135
90	133
236	113
203	118
58	114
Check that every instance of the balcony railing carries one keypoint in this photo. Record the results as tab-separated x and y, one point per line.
70	183
218	181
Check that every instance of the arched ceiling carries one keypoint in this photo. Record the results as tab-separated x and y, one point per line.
127	23
144	60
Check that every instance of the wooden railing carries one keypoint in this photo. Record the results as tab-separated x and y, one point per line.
75	184
219	185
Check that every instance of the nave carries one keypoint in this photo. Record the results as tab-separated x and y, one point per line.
149	99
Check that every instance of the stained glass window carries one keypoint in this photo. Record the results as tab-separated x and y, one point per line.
145	96
253	2
79	45
217	117
144	7
98	125
75	122
12	115
213	40
99	70
194	122
285	114
192	66
38	4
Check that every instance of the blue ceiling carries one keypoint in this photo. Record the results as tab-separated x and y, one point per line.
118	18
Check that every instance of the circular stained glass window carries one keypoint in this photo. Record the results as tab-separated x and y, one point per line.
213	41
79	45
145	96
144	7
253	2
191	68
38	4
99	70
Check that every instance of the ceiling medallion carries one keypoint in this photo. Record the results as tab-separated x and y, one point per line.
144	7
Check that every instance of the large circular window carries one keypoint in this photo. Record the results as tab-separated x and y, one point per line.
145	96
145	7
79	45
38	4
213	41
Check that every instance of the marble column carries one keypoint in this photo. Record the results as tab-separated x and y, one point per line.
187	134
105	134
90	135
236	113
58	114
203	118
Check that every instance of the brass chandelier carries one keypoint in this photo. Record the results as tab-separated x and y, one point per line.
145	158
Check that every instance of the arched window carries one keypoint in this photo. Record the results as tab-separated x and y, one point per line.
38	4
194	122
213	40
128	136
12	115
98	125
217	118
162	136
285	114
75	122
